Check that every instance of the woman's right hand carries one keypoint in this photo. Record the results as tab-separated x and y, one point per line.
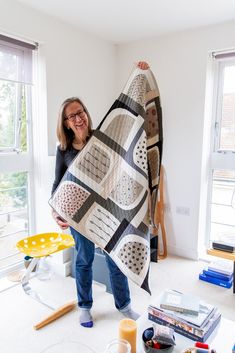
143	65
61	222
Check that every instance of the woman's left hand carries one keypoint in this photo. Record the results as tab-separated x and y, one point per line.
143	65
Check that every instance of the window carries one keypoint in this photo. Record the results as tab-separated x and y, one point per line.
222	220
16	83
13	215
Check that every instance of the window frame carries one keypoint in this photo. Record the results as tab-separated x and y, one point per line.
219	159
220	65
14	159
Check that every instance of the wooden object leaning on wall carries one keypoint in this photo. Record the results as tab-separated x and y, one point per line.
159	217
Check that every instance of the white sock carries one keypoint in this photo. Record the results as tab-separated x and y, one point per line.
129	313
85	318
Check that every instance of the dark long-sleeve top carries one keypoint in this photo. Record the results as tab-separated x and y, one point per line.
63	160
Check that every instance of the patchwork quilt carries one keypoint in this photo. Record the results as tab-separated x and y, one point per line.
110	188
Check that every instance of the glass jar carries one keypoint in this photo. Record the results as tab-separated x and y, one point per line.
118	346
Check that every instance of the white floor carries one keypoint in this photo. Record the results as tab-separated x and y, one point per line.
18	312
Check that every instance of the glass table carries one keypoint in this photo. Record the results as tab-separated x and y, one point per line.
68	347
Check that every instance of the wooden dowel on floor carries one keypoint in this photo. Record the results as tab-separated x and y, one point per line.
56	314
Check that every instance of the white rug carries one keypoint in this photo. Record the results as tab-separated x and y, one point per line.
19	312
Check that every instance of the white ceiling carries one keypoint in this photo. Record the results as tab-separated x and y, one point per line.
126	20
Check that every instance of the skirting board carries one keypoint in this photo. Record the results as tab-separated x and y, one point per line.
187	253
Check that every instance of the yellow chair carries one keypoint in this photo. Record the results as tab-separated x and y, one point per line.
39	246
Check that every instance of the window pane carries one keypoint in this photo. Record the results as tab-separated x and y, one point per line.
7	114
227	133
13	192
9	255
13	129
16	61
11	63
13	215
223	205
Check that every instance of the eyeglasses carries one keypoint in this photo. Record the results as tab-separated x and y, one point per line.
72	117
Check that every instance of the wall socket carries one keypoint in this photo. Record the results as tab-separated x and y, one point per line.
183	210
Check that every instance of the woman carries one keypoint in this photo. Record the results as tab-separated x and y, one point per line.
74	129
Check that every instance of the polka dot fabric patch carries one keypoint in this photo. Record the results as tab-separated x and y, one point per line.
69	198
151	123
140	154
126	191
134	255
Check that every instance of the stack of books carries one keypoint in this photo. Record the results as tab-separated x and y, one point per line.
197	326
219	272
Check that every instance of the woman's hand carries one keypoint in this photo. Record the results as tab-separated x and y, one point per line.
143	65
60	221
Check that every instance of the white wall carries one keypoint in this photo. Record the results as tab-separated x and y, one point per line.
79	64
76	64
179	62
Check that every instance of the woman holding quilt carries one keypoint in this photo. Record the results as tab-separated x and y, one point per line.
74	128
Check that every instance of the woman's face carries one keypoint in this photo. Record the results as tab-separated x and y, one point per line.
77	120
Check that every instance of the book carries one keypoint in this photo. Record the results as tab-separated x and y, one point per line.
195	334
223	246
216	274
179	302
205	311
222	266
216	281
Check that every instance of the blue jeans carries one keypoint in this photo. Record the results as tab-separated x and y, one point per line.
83	274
